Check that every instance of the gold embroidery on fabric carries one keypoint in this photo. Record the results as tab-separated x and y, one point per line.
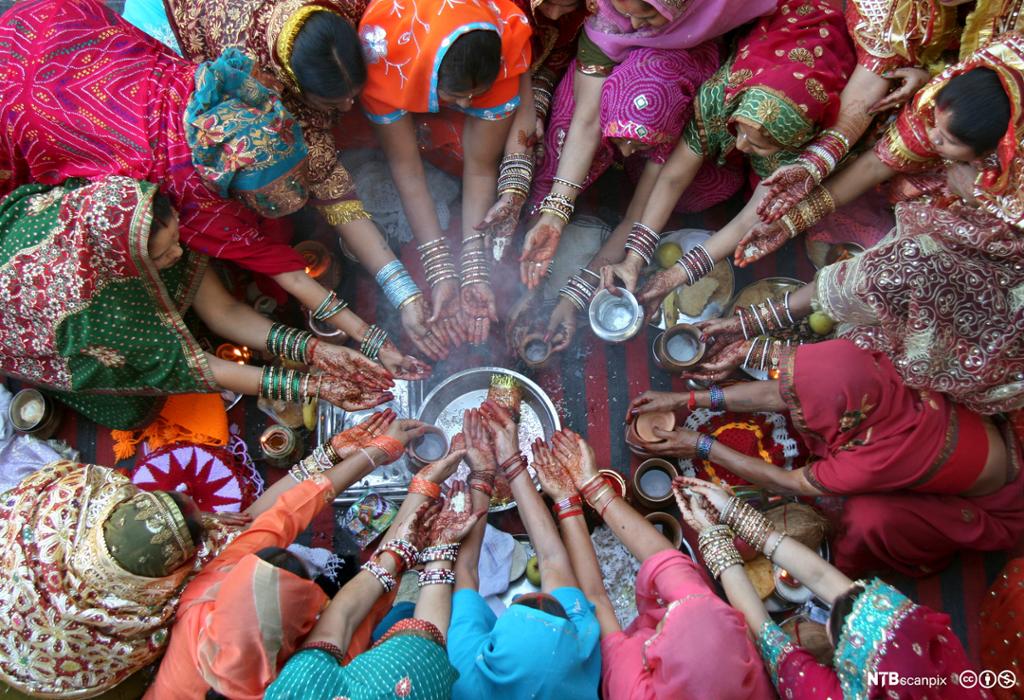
802	55
341	213
286	38
852	419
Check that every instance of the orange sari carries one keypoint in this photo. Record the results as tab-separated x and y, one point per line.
404	51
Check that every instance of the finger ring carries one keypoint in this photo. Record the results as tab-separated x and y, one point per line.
480	318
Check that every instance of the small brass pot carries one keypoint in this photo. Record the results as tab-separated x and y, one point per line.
679	348
652	483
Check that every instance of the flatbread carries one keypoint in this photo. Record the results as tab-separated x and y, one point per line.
759	571
692	299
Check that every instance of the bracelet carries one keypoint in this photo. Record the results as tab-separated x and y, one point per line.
440	552
578	291
320	460
568	506
812	209
332	649
484	483
438	265
750	524
383	576
691	403
437	577
718	550
373	341
823	154
704	444
289	343
642	240
279	384
406	552
770	552
369	457
515	174
568	183
397	283
424	487
330	306
391	447
717	396
559	206
696	263
513	467
475	268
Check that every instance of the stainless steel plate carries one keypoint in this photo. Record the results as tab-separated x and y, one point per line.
687	239
445	405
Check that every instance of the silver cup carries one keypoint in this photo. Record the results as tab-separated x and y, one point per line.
615	319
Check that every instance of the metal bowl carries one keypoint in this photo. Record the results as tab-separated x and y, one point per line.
615	318
445	404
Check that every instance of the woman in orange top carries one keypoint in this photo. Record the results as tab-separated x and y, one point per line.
471	57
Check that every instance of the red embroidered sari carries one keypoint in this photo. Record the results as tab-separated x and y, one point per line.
84	94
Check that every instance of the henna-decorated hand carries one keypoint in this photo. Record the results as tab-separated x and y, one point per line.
538	251
457	517
628	271
439	471
725	360
416	528
500	222
554	479
241	520
348	396
759	242
658	287
501	428
715	496
478	310
402	366
350	441
479	447
444	297
693	507
521	318
911	80
786	187
719	332
561	326
432	341
574	455
350	365
406	430
651	401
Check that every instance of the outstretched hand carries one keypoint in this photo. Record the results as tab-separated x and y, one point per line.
721	362
911	80
759	242
786	187
350	441
350	365
348	396
457	517
538	252
554	479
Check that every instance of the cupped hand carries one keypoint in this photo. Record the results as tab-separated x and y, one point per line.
538	251
502	430
652	401
346	395
444	299
911	80
432	342
657	288
402	366
725	360
500	222
716	496
439	471
554	479
416	528
628	271
719	332
575	456
478	311
520	317
786	187
350	441
457	517
241	520
406	430
680	442
693	507
479	447
346	363
759	242
561	326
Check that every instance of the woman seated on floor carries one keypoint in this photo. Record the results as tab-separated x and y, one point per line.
470	57
409	661
923	477
678	612
617	28
248	610
98	288
85	94
780	87
875	629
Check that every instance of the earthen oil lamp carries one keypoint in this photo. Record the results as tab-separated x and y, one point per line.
234	353
534	350
281	446
652	483
640	431
320	264
666	524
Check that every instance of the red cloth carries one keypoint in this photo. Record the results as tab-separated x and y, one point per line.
1002	629
85	94
553	41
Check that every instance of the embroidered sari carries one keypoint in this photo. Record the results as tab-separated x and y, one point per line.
404	51
987	21
901	456
266	30
1002	629
84	310
885	633
784	79
647	99
553	41
892	34
999	187
76	620
84	94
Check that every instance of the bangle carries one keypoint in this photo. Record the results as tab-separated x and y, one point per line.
704	444
332	649
403	549
424	487
437	577
484	483
330	306
289	343
515	174
559	206
397	283
691	403
373	341
438	264
769	553
369	457
578	291
696	263
383	576
717	396
390	446
750	524
568	506
513	466
642	240
440	552
279	384
718	550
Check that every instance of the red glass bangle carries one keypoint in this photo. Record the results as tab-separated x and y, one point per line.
390	446
424	488
692	403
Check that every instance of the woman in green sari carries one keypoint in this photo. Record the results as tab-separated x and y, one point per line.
94	292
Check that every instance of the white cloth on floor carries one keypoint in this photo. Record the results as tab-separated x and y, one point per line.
495	561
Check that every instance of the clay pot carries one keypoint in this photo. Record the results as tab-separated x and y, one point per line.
679	348
668	526
652	483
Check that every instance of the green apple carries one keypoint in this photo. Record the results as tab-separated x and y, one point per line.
820	323
533	571
667	254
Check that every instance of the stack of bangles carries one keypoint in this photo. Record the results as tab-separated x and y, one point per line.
821	157
442	576
716	399
811	209
541	101
598	493
398	285
515	175
718	550
280	384
578	290
290	343
766	317
696	263
513	466
438	264
704	444
425	488
750	524
569	507
558	206
373	341
320	460
482	482
765	352
332	305
391	447
474	264
405	556
642	240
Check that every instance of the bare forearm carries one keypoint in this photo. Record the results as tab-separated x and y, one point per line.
348	608
228	317
862	90
634	531
468	565
482	144
588	571
675	176
826	581
744	598
310	293
745	397
435	602
540	526
364	240
853	181
763	474
584	135
341	476
524	122
398	141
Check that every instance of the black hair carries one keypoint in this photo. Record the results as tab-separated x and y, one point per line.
192	521
162	214
326	57
979	110
283	559
472	62
842	607
545	602
212	694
